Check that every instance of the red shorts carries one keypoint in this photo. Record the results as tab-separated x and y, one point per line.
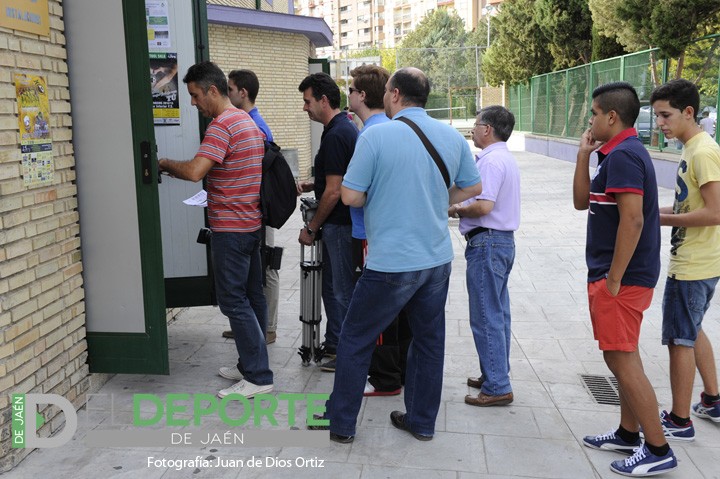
616	319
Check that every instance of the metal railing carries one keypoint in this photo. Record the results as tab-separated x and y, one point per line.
558	103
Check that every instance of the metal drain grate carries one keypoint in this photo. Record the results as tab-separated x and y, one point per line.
603	389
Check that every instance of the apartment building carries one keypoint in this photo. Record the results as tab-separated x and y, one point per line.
361	24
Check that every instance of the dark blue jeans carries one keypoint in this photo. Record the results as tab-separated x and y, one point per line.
490	257
338	278
376	301
238	287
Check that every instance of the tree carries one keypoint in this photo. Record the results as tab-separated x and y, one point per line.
428	48
604	47
520	48
669	25
368	52
388	58
610	24
567	25
673	41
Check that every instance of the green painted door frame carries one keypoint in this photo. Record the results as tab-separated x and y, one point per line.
195	290
140	353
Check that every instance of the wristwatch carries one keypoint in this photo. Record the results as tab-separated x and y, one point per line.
310	232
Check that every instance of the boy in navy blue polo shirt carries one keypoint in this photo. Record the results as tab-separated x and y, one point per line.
623	259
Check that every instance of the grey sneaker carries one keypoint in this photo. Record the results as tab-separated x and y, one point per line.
245	388
230	372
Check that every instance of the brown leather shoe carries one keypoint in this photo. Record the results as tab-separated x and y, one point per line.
476	382
270	337
228	334
484	400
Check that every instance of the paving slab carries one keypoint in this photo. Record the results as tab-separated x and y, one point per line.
539	435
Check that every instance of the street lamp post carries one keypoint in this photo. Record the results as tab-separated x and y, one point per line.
487	10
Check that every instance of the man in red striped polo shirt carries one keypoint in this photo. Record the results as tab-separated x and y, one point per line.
230	159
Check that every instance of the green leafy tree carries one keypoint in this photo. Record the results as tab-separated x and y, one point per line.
520	49
368	52
607	20
388	58
604	47
435	47
669	25
567	25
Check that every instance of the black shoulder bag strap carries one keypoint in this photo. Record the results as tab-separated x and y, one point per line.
430	148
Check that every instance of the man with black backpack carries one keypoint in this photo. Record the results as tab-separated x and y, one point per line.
243	87
230	159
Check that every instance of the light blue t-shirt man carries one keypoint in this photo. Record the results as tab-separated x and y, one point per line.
406	206
356	214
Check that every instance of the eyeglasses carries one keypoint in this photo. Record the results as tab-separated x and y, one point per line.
352	90
482	124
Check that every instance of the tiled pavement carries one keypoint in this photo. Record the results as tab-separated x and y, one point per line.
537	436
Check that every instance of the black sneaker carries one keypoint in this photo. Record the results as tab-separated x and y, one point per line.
333	437
397	419
328	366
341	439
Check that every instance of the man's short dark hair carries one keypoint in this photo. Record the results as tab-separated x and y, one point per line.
679	93
500	118
371	79
205	75
246	79
413	85
619	97
322	84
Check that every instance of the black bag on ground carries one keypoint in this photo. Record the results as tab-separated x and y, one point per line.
278	191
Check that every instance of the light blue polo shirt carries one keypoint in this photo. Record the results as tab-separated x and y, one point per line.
406	208
356	214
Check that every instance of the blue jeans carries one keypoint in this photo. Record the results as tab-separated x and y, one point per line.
337	278
490	256
376	301
684	306
238	287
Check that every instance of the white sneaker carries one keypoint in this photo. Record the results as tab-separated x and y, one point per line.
245	388
230	372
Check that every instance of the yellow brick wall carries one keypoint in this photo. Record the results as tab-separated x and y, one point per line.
280	60
279	6
42	310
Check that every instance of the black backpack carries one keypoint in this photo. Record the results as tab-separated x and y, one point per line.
278	191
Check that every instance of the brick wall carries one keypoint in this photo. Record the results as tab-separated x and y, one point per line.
280	60
42	313
279	6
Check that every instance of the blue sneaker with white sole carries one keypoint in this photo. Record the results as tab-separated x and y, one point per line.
611	442
675	432
706	411
644	463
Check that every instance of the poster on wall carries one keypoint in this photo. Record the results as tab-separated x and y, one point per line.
164	83
158	24
38	167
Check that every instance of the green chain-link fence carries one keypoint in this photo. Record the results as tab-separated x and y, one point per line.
558	103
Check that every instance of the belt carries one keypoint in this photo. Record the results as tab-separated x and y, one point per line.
474	232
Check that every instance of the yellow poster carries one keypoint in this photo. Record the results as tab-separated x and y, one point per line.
25	15
34	123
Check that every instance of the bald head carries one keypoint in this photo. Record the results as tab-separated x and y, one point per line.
412	85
